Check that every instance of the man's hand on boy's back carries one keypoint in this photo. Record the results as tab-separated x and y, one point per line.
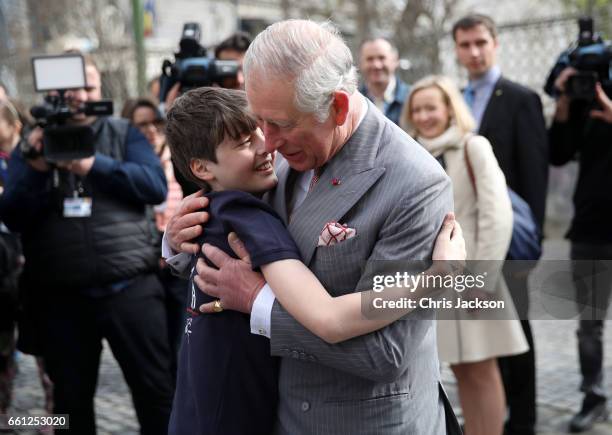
186	224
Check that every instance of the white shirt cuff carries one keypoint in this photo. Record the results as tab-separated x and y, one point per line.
179	263
261	313
167	251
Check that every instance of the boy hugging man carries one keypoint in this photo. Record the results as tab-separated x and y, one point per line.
227	380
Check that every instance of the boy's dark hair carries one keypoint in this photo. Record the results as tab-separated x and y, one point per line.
200	120
473	20
239	42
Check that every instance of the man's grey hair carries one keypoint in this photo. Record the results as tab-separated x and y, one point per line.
310	55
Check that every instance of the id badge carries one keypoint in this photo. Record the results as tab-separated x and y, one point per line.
77	207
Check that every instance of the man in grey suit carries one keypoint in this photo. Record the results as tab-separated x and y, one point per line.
343	161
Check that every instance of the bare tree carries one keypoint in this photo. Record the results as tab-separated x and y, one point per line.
600	10
418	32
100	27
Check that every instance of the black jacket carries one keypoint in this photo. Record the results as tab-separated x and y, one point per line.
116	242
590	141
514	124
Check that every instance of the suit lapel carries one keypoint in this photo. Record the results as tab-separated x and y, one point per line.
328	203
345	179
493	104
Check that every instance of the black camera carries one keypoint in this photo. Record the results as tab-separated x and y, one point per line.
192	68
591	57
62	140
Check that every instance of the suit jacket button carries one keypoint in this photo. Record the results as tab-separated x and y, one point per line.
295	354
305	406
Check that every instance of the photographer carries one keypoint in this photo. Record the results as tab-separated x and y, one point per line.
90	262
582	131
234	48
193	69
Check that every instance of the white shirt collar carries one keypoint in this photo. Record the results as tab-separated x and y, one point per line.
364	110
389	95
487	80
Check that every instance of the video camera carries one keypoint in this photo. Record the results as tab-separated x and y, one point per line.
192	68
62	140
592	57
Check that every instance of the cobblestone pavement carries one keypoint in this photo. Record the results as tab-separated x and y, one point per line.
557	372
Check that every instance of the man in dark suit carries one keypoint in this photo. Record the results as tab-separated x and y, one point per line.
510	116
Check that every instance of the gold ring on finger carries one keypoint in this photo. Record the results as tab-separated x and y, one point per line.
217	307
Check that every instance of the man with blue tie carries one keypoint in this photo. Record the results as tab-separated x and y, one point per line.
510	116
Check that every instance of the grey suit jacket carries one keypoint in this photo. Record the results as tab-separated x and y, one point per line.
395	195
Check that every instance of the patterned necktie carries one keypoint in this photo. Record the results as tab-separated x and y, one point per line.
292	201
315	178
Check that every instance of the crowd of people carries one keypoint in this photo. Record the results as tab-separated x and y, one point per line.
218	241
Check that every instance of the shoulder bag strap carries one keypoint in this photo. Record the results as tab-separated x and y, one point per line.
469	164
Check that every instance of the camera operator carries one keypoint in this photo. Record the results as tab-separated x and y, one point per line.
91	261
231	51
581	131
177	78
234	48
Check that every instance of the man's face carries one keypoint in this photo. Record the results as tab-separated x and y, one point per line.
299	137
238	56
93	92
378	62
476	50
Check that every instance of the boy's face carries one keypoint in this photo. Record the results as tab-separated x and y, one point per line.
243	165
